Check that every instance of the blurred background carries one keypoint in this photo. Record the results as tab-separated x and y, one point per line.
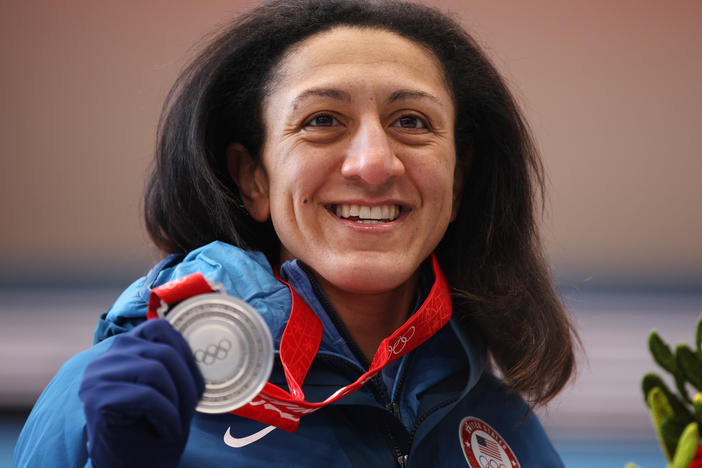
613	91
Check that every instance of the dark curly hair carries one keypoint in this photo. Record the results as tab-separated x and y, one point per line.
491	253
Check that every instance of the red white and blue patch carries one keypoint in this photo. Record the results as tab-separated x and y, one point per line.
483	447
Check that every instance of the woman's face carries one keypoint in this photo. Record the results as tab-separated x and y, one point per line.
358	157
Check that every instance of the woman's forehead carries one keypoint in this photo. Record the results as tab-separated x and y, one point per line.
348	57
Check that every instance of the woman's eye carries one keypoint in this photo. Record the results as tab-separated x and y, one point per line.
322	120
410	121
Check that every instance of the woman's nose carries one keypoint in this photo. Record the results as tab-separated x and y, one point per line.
370	156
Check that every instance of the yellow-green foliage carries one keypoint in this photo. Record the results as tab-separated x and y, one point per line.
687	447
662	412
676	417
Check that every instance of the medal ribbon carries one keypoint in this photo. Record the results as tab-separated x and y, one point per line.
300	343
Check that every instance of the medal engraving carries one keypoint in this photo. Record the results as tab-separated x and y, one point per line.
232	347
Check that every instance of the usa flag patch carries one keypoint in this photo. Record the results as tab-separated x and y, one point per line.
483	447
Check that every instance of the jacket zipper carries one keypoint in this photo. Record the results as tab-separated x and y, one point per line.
380	393
393	406
378	390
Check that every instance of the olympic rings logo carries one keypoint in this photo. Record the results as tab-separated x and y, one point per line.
212	352
401	342
486	462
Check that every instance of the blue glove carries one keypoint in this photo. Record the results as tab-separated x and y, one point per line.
139	398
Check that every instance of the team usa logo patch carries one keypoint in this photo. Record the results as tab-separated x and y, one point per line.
483	447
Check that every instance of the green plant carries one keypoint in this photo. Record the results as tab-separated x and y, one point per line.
676	416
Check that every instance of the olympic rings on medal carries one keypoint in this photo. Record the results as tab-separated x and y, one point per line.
212	352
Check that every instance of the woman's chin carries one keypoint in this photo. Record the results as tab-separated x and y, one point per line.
367	278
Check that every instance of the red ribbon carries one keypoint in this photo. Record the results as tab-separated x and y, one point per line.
300	343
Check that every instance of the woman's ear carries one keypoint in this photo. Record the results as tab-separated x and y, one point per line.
251	179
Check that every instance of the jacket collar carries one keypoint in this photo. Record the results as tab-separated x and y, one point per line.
231	266
455	348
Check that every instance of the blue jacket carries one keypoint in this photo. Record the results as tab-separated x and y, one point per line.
437	408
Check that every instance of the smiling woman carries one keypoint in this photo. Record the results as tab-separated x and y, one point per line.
359	121
358	172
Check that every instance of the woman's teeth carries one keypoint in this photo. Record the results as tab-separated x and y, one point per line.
368	214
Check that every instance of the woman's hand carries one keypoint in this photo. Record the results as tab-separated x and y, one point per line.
139	398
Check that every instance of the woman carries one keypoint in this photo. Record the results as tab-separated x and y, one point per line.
364	148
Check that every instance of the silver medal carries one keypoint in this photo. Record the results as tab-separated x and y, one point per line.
232	346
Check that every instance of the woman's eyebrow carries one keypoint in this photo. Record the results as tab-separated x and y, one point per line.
402	94
338	94
332	93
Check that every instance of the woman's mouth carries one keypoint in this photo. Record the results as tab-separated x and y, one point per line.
367	214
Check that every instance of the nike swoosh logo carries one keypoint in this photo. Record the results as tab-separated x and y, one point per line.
244	441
